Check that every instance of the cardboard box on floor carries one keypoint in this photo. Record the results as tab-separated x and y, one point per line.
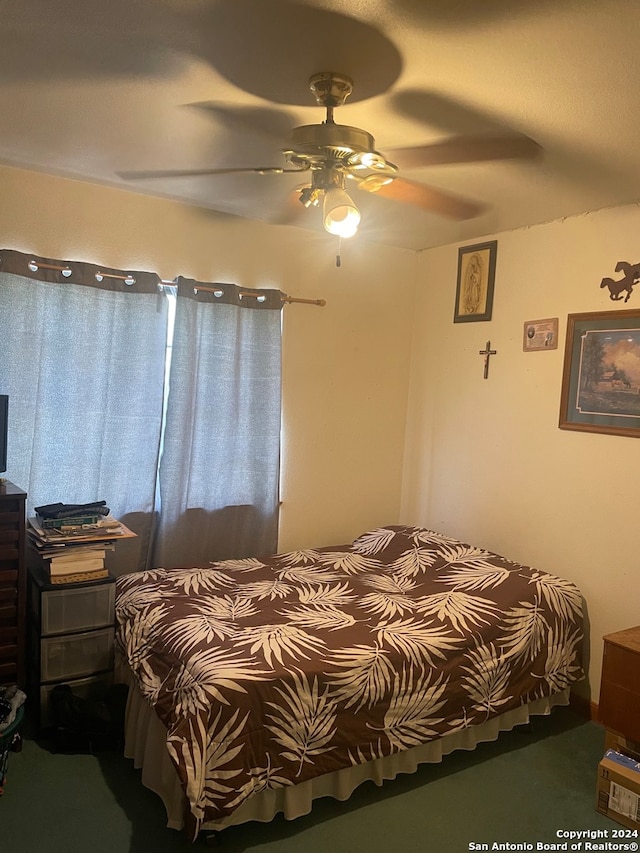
618	789
613	740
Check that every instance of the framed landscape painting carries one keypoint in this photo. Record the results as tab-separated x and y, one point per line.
601	378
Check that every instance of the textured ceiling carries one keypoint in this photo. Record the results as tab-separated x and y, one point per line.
89	90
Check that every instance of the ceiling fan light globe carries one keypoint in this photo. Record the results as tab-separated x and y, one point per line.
340	216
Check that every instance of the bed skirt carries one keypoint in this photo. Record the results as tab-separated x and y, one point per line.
145	743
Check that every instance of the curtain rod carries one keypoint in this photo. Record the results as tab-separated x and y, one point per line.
320	302
129	279
34	266
256	295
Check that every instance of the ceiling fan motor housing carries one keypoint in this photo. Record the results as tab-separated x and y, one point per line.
330	89
334	140
317	145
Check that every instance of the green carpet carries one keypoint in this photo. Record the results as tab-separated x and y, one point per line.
524	788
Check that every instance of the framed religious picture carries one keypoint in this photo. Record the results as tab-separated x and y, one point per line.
601	379
476	277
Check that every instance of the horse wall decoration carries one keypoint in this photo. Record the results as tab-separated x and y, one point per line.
630	278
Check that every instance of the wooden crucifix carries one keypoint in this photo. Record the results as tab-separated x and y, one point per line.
487	352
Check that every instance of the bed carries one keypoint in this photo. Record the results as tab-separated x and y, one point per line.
258	685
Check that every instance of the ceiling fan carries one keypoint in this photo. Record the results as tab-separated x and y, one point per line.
335	156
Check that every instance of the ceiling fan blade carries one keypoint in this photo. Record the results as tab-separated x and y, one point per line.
428	198
192	173
467	149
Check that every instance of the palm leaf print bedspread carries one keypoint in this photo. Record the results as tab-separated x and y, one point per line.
269	672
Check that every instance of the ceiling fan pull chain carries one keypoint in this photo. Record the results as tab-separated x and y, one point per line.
338	258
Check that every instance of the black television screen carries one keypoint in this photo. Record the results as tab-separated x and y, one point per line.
4	430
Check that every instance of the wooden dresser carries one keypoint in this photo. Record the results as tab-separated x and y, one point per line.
619	705
13	584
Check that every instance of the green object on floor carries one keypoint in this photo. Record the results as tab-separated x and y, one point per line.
8	741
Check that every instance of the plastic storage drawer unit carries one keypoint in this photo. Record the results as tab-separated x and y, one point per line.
72	637
74	655
93	687
81	609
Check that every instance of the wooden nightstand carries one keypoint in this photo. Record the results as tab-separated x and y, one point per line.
619	706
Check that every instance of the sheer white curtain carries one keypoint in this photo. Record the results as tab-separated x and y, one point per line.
82	358
220	461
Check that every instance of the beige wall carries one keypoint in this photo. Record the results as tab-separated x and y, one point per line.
485	459
346	366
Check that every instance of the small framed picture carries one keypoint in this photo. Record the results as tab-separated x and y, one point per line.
476	279
540	335
601	379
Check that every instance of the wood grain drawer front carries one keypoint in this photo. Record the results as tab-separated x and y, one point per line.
8	654
8	651
8	670
619	709
12	584
8	577
8	594
8	637
621	667
8	614
9	556
8	606
9	536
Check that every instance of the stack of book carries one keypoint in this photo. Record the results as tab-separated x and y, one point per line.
73	549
